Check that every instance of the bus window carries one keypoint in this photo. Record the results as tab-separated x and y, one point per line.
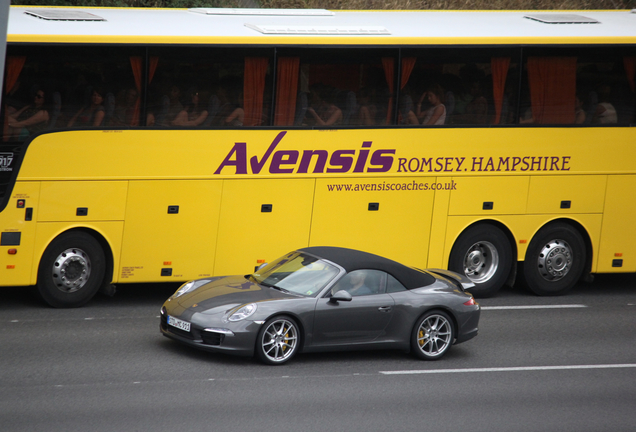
459	86
52	87
578	86
210	87
335	87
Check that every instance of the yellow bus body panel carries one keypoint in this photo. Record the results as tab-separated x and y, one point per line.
395	224
170	224
618	237
16	269
221	179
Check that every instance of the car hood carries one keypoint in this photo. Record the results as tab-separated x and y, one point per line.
223	294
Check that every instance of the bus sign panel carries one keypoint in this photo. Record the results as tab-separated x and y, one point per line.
6	159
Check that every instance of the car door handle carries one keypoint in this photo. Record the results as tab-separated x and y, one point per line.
384	308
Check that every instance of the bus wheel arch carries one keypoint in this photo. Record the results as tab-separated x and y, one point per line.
485	253
557	257
73	267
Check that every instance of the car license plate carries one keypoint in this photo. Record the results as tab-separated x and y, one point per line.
177	323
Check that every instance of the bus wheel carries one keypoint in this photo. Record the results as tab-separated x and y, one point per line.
71	271
555	260
482	253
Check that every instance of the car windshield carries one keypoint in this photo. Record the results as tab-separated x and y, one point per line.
297	273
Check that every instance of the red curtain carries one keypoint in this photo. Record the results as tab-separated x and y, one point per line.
552	89
14	67
253	89
388	64
137	68
408	63
286	90
499	67
630	70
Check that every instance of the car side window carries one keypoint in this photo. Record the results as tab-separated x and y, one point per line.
393	285
361	282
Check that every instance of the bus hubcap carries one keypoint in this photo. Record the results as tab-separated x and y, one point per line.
71	270
481	262
555	260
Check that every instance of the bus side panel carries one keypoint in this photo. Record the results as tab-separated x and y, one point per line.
617	252
489	195
567	194
18	234
48	231
76	201
438	230
262	220
363	213
523	228
170	231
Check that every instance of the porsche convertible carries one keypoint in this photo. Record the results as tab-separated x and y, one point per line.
324	299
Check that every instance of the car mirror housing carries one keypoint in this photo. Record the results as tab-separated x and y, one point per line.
340	296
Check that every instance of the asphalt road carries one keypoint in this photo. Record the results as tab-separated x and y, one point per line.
539	364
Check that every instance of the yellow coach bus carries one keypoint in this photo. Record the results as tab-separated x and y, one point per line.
166	145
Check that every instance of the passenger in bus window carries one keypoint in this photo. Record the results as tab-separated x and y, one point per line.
31	118
406	114
368	111
579	112
125	108
192	114
436	114
93	114
605	112
323	109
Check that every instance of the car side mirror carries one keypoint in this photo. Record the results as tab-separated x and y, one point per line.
340	296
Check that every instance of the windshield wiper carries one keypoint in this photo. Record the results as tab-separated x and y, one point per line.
276	287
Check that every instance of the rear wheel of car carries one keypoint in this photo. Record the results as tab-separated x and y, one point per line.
278	340
432	336
71	271
483	253
555	260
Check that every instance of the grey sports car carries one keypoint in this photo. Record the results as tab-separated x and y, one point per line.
324	299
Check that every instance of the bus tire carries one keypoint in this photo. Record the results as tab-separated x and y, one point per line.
72	270
555	260
483	253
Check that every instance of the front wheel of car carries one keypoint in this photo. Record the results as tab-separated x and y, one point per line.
278	340
432	336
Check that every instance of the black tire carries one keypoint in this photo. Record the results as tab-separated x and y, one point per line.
71	271
483	253
278	340
555	260
432	336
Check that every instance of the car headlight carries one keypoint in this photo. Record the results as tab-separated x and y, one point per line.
243	312
190	286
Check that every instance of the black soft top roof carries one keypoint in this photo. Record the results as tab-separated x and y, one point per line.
351	259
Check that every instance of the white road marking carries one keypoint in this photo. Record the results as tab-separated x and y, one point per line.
565	306
509	369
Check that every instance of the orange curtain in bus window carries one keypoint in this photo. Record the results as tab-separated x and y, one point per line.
630	70
286	90
14	68
388	64
552	89
253	88
136	64
408	63
499	69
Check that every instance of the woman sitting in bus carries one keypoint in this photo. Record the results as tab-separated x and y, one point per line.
436	114
605	112
368	112
31	118
407	115
323	109
93	114
192	114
